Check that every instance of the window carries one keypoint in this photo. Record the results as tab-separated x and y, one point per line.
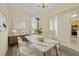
19	27
53	25
35	25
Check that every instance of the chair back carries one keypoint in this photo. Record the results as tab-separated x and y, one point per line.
20	42
50	34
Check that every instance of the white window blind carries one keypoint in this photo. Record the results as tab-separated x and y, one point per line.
19	24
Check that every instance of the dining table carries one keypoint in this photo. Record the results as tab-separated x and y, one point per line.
43	46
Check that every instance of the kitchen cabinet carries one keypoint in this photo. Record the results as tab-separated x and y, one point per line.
12	40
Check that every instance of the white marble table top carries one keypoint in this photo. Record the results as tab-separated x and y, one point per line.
42	46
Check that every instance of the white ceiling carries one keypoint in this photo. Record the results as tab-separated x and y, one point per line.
33	7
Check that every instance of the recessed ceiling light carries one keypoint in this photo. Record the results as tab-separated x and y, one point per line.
74	15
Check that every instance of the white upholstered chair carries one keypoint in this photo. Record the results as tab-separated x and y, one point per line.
58	45
21	42
49	34
26	49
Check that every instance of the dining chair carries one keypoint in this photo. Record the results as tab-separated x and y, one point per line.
25	51
21	43
58	44
49	34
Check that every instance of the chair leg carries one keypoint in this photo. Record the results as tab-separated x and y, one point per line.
18	50
56	50
44	53
60	50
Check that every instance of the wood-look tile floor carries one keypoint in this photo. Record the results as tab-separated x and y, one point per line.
12	51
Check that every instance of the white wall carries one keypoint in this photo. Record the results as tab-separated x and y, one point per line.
3	43
64	28
4	35
19	16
